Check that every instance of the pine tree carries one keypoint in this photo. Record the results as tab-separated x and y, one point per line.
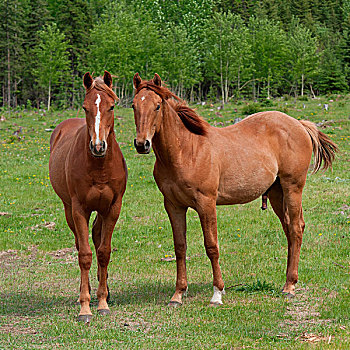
74	19
12	39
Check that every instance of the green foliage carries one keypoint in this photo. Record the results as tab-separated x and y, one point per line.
52	58
255	49
257	287
251	108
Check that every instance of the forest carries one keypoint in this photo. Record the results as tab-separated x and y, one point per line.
215	50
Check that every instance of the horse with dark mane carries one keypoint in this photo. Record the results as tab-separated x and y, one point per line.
88	173
200	166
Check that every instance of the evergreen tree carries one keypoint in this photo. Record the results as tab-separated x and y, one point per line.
74	19
12	39
37	17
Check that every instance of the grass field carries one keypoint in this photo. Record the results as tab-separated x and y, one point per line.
39	273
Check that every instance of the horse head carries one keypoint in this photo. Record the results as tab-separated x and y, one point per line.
99	105
147	105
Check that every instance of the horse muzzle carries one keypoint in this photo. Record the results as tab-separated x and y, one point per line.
98	149
142	147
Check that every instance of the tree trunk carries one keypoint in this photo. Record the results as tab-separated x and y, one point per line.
191	95
226	83
222	83
302	85
8	74
49	97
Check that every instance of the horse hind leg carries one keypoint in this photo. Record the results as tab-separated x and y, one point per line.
286	202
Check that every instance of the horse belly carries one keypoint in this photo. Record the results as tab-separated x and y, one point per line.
238	189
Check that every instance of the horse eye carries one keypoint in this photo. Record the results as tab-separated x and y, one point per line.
157	109
133	106
84	108
111	109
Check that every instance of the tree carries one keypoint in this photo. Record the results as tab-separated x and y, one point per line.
302	53
12	38
52	59
74	19
268	42
227	50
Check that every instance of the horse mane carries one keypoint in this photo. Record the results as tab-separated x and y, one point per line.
100	85
191	120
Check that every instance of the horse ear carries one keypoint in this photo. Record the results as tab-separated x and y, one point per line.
137	80
157	80
107	78
87	80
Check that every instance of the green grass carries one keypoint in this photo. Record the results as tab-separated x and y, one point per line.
39	273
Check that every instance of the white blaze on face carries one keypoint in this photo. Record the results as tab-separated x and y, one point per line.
98	119
217	297
143	98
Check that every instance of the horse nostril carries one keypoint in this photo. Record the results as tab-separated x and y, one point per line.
103	146
147	144
91	145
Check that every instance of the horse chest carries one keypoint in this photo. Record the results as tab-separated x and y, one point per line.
99	197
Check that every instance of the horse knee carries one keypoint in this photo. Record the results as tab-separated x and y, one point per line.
103	256
212	252
85	260
180	250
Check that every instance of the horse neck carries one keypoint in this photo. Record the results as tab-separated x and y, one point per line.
172	138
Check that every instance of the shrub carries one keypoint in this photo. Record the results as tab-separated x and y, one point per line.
251	108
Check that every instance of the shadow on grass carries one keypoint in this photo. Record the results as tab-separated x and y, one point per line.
31	304
142	292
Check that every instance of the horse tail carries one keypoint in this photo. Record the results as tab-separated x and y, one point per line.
324	148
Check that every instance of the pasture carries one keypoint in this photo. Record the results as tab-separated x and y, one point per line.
39	272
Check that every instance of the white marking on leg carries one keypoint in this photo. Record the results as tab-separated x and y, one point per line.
217	297
98	119
143	98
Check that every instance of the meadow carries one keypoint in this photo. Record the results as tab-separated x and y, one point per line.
39	272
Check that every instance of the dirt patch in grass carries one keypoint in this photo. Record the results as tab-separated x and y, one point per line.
67	255
11	325
302	316
8	255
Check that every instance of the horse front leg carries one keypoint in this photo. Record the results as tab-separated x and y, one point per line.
103	253
206	209
96	238
177	216
81	219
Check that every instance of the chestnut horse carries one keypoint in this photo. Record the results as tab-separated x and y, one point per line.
88	173
200	166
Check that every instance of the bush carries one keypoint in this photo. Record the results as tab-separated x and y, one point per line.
266	103
251	109
303	98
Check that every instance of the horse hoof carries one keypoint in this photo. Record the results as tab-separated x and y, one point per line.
84	318
174	304
104	312
215	304
288	295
